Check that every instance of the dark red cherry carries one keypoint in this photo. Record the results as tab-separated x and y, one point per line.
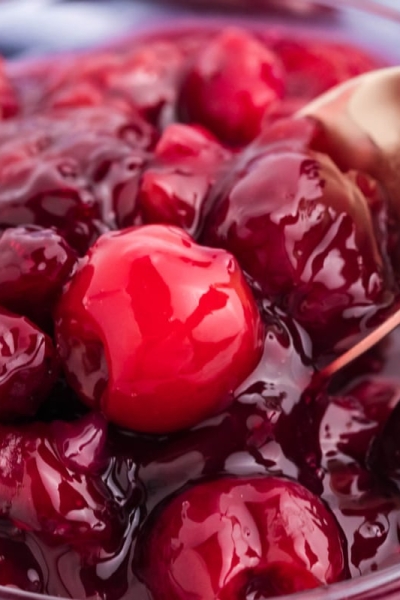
232	84
9	105
77	171
353	419
28	366
157	331
143	79
53	483
240	538
176	187
303	231
35	263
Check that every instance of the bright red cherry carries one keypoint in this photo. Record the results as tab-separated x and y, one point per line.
156	330
176	187
303	231
232	539
233	83
28	366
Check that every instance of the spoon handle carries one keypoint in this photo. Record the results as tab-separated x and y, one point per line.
361	347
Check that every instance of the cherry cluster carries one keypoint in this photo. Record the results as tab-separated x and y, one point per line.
178	252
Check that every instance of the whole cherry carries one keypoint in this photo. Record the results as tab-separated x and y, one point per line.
35	263
176	186
232	84
241	538
303	230
56	481
157	331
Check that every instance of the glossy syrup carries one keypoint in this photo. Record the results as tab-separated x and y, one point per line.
323	442
93	487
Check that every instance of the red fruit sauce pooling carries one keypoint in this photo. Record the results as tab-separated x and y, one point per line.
157	438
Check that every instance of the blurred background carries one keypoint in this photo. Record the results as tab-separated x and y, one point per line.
36	27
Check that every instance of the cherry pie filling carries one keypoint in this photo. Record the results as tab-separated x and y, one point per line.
179	254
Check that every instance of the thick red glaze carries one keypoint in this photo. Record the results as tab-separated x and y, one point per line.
230	87
144	79
52	481
231	538
28	366
157	331
176	186
306	238
287	489
75	171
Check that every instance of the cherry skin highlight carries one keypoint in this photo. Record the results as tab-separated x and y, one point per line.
156	330
164	337
233	83
144	79
303	230
53	482
176	186
28	366
35	263
231	538
77	171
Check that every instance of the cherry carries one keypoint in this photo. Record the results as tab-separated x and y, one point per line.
237	538
35	263
9	105
176	187
313	66
232	84
28	366
306	237
157	331
164	337
143	79
77	171
54	483
356	416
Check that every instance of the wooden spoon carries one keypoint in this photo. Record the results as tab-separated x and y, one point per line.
361	121
361	124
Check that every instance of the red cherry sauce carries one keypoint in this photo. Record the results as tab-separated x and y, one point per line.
134	135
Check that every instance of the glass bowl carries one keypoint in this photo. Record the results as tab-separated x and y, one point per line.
368	24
